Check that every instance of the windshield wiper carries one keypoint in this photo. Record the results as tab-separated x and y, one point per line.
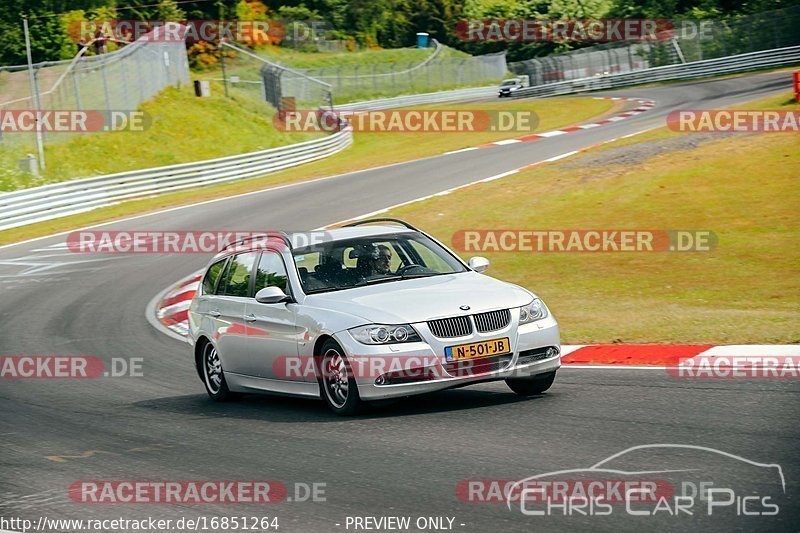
377	280
422	275
395	278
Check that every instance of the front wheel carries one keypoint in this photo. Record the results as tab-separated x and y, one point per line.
337	384
531	385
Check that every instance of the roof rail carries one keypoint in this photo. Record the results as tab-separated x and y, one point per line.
372	220
280	234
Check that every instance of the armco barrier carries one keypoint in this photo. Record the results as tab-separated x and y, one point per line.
420	99
47	202
698	69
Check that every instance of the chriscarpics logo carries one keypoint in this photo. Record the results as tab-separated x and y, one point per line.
681	481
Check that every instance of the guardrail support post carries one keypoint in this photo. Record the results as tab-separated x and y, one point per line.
34	91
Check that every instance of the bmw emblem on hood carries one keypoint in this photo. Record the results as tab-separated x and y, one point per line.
464	308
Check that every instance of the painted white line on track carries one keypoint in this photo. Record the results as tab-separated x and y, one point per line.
461	150
499	176
561	156
752	350
551	133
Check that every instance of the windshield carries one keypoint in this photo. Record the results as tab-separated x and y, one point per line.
508	83
365	261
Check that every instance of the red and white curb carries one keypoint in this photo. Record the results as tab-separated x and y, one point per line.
644	105
171	313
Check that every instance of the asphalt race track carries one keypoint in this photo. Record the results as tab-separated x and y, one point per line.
401	460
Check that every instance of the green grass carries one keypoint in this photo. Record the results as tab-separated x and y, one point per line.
183	128
296	59
301	60
369	150
744	188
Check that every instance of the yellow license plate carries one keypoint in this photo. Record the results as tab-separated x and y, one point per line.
477	349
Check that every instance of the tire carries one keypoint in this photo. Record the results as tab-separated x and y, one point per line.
213	375
532	385
337	386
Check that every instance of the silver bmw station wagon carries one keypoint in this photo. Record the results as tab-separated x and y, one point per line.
374	310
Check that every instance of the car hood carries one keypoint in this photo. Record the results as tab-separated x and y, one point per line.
421	299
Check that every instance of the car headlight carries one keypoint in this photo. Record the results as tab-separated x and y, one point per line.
532	312
384	334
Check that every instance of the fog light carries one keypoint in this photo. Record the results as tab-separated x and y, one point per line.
552	352
380	380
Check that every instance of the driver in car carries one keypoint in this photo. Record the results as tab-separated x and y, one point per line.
374	260
382	263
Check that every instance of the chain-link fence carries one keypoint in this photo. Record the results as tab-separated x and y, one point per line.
251	75
692	40
441	70
116	81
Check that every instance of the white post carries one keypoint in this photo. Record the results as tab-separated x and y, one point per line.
34	93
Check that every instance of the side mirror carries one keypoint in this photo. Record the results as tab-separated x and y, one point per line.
271	295
478	263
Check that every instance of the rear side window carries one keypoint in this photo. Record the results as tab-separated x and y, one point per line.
210	281
236	281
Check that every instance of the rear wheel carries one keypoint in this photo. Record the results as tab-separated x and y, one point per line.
531	385
213	375
337	384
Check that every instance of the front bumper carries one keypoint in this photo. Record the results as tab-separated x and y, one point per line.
528	357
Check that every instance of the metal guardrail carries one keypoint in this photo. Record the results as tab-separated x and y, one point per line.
27	206
697	69
420	99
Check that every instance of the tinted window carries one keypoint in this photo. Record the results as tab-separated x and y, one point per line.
237	275
271	272
210	281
